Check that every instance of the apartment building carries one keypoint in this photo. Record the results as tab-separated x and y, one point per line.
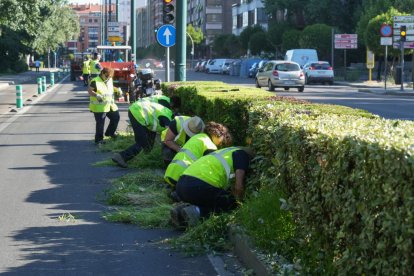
213	17
248	13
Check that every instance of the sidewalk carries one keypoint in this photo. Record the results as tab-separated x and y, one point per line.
25	77
379	88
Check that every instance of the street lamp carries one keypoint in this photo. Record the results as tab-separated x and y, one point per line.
192	49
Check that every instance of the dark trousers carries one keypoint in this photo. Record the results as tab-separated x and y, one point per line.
144	139
207	197
85	79
167	154
37	69
113	117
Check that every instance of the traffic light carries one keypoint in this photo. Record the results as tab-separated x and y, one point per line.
168	11
403	33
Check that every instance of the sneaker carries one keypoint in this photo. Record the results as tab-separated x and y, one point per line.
113	136
191	215
117	158
100	143
176	218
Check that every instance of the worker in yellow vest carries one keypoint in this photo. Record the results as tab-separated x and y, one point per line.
102	103
173	103
213	183
147	119
86	70
95	66
216	135
180	130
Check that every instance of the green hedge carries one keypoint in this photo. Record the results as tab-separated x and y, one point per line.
347	175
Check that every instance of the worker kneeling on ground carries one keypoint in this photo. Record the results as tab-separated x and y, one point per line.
216	135
165	101
180	130
147	119
206	185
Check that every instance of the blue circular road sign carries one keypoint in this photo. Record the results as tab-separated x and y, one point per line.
386	30
166	35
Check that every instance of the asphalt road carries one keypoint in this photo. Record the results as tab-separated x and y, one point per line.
46	172
387	106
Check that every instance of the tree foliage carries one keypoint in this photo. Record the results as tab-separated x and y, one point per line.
259	43
247	33
227	45
317	36
28	26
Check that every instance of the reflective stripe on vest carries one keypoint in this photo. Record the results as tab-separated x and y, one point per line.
180	139
181	119
219	156
146	108
180	163
189	153
106	91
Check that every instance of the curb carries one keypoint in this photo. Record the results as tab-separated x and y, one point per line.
4	85
243	250
386	92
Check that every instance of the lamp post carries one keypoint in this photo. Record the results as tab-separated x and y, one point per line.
192	49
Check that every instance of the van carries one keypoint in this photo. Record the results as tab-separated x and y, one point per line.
301	56
216	65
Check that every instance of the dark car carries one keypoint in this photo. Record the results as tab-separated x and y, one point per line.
253	70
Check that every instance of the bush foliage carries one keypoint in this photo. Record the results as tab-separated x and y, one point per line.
346	174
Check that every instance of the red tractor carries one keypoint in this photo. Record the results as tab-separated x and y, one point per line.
116	57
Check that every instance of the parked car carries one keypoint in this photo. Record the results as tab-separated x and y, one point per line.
320	71
203	66
197	66
280	73
226	66
234	67
253	70
255	67
215	66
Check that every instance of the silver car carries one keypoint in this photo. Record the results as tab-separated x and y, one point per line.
280	73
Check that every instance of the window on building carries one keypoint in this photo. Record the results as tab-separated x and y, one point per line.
214	17
90	20
252	20
245	21
239	21
213	3
262	16
82	20
234	22
95	20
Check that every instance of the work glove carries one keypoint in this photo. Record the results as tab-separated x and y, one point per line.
99	98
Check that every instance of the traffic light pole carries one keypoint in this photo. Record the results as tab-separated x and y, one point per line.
402	65
133	30
181	43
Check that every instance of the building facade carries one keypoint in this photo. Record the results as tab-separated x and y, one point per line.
248	13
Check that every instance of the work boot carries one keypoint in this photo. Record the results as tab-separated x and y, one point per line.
174	196
191	215
119	160
177	219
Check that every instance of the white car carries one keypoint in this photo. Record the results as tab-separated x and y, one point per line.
280	73
319	71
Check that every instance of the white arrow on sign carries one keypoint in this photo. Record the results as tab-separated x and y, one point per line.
167	33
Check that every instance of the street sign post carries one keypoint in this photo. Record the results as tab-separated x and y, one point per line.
405	23
346	41
166	37
386	40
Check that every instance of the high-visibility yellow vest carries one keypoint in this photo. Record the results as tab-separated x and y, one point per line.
216	168
156	98
86	68
147	113
106	90
194	149
180	139
93	68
